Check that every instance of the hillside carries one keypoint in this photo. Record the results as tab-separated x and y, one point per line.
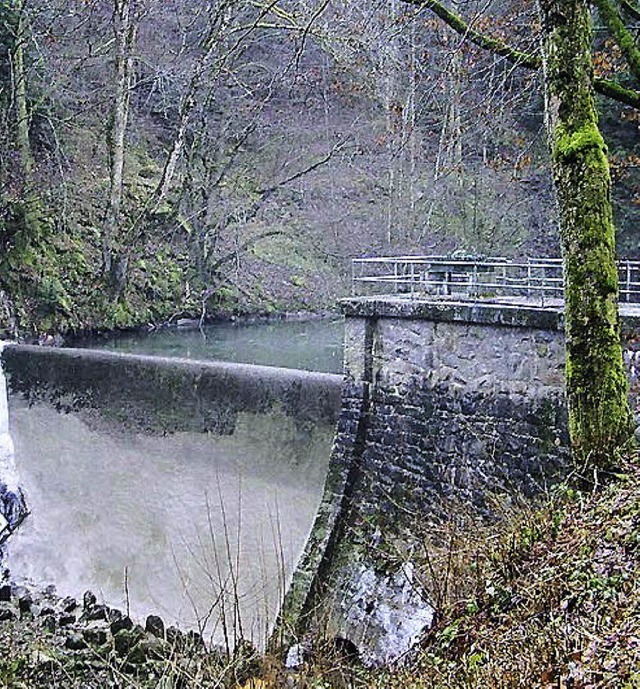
171	160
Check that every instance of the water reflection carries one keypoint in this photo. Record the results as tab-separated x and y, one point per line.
315	345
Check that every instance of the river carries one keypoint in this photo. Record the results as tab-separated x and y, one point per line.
200	528
311	345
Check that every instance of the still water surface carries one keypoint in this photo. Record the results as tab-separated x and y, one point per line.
311	345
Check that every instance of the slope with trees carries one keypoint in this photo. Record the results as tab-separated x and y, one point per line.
188	159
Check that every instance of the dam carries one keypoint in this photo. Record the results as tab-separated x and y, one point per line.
449	397
180	488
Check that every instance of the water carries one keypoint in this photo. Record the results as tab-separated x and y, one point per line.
12	504
203	530
8	473
312	345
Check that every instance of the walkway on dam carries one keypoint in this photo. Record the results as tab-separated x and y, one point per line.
628	311
526	283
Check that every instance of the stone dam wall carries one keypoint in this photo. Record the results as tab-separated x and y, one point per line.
449	409
457	407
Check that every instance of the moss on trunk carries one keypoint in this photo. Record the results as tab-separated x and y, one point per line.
599	413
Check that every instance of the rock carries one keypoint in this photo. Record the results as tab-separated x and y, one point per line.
345	649
6	614
196	641
296	657
154	648
137	655
65	620
187	323
123	623
69	604
88	600
49	591
175	637
96	612
24	604
49	623
75	642
155	626
13	509
5	592
114	615
47	610
95	636
126	639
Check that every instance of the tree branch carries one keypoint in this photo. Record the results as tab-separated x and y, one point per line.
494	45
612	90
611	17
603	86
247	244
629	9
305	171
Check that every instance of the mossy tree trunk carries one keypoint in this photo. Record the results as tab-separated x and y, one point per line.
20	82
15	18
600	418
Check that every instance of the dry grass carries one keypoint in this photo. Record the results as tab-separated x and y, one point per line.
550	600
541	599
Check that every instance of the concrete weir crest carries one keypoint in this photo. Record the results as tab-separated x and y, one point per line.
142	463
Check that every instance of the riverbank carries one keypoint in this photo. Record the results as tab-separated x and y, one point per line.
53	641
546	598
85	337
66	293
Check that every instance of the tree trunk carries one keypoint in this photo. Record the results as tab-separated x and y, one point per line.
30	198
22	112
600	419
124	29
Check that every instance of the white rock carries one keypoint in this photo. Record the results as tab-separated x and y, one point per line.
295	657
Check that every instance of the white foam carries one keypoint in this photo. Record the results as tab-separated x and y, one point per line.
8	472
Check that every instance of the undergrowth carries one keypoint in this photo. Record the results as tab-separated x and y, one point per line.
549	599
546	598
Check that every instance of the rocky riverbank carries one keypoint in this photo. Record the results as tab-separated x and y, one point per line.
51	641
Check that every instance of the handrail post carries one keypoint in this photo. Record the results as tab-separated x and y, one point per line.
628	289
353	277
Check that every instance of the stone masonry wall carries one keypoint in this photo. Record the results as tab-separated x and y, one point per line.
458	406
462	410
459	410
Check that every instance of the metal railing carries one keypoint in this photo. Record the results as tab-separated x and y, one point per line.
538	280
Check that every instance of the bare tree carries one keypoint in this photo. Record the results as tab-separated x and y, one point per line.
124	30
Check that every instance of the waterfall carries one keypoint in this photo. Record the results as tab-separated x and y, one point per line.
13	508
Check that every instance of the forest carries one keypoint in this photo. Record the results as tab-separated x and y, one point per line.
165	159
168	159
